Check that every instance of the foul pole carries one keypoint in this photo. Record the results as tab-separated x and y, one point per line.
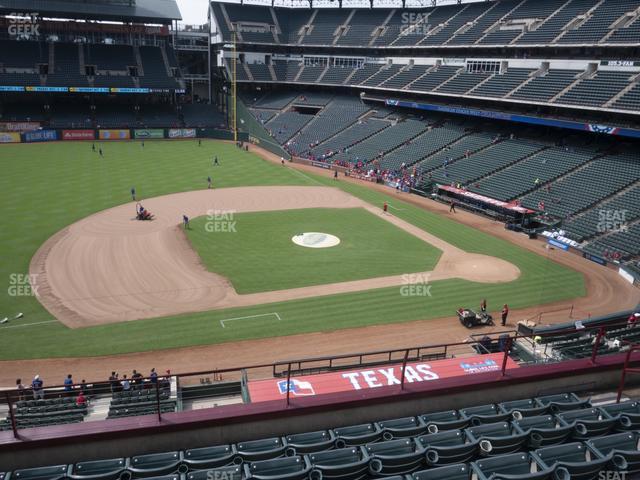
234	91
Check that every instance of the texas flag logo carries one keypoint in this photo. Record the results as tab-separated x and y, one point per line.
297	387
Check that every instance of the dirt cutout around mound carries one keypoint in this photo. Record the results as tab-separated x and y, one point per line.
109	267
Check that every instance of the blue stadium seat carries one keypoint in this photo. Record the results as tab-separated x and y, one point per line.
448	447
575	458
563	401
522	408
543	430
341	464
310	442
627	414
586	422
263	449
449	420
155	464
395	457
209	457
57	472
357	434
625	448
451	472
516	466
485	414
497	438
231	472
97	470
287	468
402	427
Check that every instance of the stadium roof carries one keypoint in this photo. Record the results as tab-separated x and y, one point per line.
351	3
140	11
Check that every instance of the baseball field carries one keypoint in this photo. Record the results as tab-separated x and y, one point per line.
103	283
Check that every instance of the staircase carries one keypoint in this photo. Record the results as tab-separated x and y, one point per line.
427	72
538	73
136	53
381	28
471	24
497	24
272	72
632	83
578	21
165	61
247	71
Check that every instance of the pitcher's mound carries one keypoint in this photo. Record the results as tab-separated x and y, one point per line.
315	240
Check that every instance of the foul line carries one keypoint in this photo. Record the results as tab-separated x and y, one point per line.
396	208
250	316
308	177
28	324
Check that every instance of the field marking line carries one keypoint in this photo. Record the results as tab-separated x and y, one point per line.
308	177
250	316
396	208
28	324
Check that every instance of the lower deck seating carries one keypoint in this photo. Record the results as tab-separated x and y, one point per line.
550	437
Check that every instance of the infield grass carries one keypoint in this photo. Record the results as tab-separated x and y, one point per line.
45	187
259	256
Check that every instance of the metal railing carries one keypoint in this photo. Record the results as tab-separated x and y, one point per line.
231	384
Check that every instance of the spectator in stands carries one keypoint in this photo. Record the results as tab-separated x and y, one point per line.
68	385
505	314
81	400
114	383
633	319
37	387
136	380
153	376
20	388
126	384
84	388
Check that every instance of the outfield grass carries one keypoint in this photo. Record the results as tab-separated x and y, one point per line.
259	256
48	186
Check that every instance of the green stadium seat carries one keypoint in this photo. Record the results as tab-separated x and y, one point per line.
448	447
625	448
543	430
231	472
563	401
586	422
627	414
449	420
575	458
288	468
485	414
264	449
97	470
522	408
209	457
451	472
155	464
395	457
402	427
341	464
57	472
310	442
357	435
516	466
498	438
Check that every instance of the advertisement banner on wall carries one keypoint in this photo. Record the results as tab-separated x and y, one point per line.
19	126
41	136
182	133
375	377
9	137
78	135
149	133
114	135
